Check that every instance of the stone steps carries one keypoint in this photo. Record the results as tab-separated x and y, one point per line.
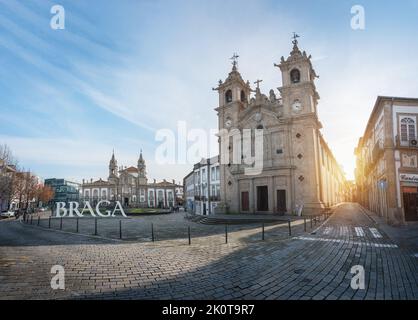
213	220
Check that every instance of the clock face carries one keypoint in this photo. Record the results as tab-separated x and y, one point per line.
228	123
297	106
258	117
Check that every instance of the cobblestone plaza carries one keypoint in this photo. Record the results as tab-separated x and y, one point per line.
315	264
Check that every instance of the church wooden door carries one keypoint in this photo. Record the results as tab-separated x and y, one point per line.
245	201
262	198
281	201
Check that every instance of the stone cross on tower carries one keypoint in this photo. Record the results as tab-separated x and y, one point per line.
295	38
258	83
234	59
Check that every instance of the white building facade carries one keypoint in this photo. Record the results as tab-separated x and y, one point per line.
202	186
130	186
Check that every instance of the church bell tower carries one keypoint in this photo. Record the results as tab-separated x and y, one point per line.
300	100
142	174
113	168
234	94
298	89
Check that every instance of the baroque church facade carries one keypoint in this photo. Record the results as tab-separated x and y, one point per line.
130	186
299	169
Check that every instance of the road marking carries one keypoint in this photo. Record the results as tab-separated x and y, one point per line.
375	233
359	231
327	230
344	230
370	244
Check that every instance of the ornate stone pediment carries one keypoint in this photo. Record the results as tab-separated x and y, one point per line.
261	115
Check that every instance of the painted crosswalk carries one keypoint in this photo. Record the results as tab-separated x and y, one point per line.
344	230
359	231
375	233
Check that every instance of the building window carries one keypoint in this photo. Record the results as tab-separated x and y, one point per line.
203	175
228	96
243	97
408	129
218	177
295	76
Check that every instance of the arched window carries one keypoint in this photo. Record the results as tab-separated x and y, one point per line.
408	129
295	76
87	194
95	194
228	96
243	96
103	194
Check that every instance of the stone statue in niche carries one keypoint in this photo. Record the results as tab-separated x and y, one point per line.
273	97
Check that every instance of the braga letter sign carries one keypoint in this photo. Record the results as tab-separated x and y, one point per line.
62	211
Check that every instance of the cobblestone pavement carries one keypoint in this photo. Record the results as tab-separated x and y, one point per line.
305	266
164	227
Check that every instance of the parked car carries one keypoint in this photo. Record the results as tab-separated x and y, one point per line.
7	214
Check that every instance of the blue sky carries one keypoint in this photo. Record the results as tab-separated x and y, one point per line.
123	69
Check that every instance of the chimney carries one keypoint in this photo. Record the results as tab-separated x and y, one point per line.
174	181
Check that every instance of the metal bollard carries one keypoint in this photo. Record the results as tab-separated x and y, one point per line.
304	224
49	222
76	228
190	238
262	232
39	220
226	233
311	222
95	226
31	219
61	223
152	232
290	228
120	229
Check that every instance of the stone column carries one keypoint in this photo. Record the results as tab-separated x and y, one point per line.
272	206
251	196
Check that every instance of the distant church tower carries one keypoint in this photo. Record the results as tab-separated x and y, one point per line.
142	174
113	168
